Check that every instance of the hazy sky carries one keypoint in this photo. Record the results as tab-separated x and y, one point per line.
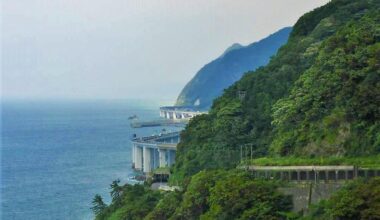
126	48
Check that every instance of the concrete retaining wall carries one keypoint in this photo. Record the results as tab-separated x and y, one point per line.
304	194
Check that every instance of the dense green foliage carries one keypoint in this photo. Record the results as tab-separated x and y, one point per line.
318	96
166	207
133	202
358	200
235	195
230	195
209	195
334	107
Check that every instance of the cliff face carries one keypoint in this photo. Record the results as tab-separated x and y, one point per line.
214	77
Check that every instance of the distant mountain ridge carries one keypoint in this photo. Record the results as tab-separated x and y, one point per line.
234	46
214	77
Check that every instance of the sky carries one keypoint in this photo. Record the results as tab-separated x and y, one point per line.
126	49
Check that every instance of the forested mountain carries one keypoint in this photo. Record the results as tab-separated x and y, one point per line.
318	97
214	77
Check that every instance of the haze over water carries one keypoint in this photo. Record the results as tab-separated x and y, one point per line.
57	155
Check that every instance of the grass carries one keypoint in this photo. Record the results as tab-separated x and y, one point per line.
366	162
162	170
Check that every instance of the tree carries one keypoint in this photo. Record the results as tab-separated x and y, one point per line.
98	205
116	189
357	200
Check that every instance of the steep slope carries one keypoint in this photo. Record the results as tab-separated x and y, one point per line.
213	78
325	82
334	107
320	95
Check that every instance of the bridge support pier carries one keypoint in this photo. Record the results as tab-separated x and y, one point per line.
137	157
162	156
147	160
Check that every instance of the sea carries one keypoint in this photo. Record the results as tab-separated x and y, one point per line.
56	155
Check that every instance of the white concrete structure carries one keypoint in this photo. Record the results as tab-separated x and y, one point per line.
137	157
155	151
179	113
162	156
147	165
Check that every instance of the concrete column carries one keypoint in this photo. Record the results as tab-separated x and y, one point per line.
138	158
162	156
133	154
147	160
298	176
316	176
167	115
153	156
171	157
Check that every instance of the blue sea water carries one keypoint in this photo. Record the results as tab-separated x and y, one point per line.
56	155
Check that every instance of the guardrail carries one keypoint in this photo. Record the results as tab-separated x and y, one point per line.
312	173
155	140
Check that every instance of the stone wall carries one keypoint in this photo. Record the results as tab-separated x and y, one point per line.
307	193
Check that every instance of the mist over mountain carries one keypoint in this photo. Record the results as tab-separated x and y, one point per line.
210	81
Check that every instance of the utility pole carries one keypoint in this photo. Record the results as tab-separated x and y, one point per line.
251	152
241	154
251	145
246	155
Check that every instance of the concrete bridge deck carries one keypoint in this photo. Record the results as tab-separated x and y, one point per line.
163	137
179	113
159	122
154	151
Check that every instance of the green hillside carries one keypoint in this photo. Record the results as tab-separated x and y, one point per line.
316	102
319	96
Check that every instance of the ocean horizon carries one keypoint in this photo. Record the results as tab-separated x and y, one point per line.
56	155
